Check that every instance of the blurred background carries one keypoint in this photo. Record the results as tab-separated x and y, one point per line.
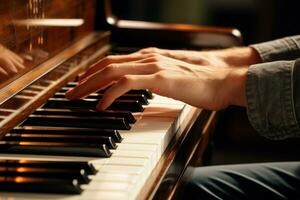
258	20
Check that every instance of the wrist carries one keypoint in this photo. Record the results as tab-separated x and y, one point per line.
241	56
236	84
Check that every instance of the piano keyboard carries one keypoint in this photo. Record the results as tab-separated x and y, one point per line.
66	147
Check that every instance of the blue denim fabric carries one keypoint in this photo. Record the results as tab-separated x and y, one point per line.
273	90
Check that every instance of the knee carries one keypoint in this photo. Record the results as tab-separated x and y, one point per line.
198	183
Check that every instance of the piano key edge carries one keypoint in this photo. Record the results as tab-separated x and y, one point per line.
189	143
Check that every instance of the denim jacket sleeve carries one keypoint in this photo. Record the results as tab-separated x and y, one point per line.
287	48
273	89
273	98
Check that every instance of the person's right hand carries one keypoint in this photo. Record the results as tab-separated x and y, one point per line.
231	57
10	63
208	87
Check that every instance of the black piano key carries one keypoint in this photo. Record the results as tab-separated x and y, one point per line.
19	137
148	94
145	92
125	105
39	185
34	172
55	148
128	117
114	134
88	167
76	121
138	97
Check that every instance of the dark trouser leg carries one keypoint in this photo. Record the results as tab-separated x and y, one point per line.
245	181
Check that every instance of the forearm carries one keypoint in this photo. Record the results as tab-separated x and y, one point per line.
282	49
240	56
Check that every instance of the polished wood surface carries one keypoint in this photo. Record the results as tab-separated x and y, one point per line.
34	88
42	45
143	34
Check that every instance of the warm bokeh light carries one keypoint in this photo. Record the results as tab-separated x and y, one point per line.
49	22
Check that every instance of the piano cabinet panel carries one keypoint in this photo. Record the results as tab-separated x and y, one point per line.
13	10
143	34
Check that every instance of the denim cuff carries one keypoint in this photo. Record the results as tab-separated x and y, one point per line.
297	89
287	48
270	99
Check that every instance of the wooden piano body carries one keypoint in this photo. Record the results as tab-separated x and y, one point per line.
58	41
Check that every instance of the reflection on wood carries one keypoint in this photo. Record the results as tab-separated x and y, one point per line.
37	42
49	22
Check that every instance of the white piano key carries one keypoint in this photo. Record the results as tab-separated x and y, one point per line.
116	177
128	161
137	147
134	146
165	100
107	186
122	169
104	195
133	154
162	110
125	161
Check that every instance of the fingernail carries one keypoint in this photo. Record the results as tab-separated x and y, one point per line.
14	70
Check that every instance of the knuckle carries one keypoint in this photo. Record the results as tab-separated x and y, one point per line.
108	59
161	76
153	59
127	80
156	66
110	68
153	49
153	55
149	50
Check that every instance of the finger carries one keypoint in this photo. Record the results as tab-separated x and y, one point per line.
109	60
150	50
106	77
3	75
3	72
27	57
125	84
16	62
16	57
8	66
18	65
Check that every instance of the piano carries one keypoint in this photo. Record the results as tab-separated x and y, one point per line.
53	148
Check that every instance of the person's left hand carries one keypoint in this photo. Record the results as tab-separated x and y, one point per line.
207	87
10	63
